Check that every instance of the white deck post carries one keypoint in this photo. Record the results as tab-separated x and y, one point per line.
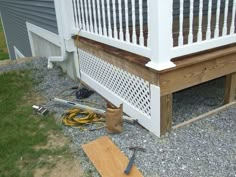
65	8
160	39
65	15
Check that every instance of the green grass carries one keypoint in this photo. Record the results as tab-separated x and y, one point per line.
4	56
21	130
3	45
1	27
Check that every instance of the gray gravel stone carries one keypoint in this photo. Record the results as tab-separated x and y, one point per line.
204	148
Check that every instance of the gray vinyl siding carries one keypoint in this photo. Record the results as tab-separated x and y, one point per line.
15	14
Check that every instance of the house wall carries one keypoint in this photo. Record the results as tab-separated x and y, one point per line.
15	13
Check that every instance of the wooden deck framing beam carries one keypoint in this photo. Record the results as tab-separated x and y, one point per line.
230	88
166	113
194	70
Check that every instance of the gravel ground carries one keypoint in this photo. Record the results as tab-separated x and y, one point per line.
204	148
197	100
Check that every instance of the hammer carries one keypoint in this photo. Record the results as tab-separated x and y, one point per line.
131	161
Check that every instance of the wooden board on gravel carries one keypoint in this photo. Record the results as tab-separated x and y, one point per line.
108	159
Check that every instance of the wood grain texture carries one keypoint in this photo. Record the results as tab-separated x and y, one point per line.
190	75
199	57
108	159
230	88
166	113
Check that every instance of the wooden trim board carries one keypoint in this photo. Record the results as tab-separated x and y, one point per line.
108	159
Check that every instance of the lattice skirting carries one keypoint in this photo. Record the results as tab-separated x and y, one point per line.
118	86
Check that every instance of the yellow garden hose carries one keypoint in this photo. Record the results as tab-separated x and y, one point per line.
78	118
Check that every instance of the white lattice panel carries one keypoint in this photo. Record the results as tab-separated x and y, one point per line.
128	87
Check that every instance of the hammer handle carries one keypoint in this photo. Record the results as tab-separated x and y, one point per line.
130	164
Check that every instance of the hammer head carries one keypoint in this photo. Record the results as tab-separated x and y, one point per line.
137	149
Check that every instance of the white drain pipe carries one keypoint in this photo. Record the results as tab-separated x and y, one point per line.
59	17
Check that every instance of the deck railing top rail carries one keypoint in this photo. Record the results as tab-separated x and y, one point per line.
160	30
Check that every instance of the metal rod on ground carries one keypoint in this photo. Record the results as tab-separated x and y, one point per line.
95	110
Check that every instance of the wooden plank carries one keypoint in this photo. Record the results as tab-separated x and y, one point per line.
215	111
108	159
166	113
197	73
230	88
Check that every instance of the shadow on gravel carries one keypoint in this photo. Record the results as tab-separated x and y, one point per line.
197	100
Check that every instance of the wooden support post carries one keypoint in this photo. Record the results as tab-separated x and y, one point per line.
230	88
166	113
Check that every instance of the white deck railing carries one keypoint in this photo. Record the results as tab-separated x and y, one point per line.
217	29
149	28
112	22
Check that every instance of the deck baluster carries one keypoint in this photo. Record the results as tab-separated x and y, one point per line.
75	9
181	22
216	33
99	17
79	14
199	34
82	14
208	33
134	35
86	15
114	19
225	18
104	19
232	27
109	18
127	35
95	17
90	16
121	34
141	38
190	35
